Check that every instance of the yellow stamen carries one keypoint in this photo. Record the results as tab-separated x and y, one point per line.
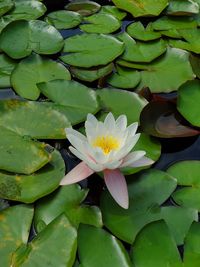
106	143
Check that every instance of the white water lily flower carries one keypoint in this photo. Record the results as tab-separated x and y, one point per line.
106	147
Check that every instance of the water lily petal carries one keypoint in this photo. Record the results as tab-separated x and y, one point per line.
116	184
70	131
131	129
112	165
80	172
144	161
132	157
109	122
121	123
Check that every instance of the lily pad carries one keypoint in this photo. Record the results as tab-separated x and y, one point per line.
187	175
83	7
181	8
139	32
190	42
155	246
146	193
91	74
15	223
169	23
33	119
167	73
140	51
55	245
67	200
13	146
29	188
124	78
6	67
5	6
110	253
161	119
140	8
19	38
113	10
73	96
195	63
121	102
88	50
188	99
63	19
100	23
36	69
26	9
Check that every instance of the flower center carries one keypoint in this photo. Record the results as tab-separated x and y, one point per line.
106	143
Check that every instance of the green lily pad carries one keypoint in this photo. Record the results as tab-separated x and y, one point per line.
92	74
63	19
181	8
88	50
36	69
124	78
13	146
67	200
15	223
195	63
121	102
190	42
101	23
146	193
140	8
98	248
139	32
172	33
192	245
83	7
34	119
140	51
167	73
6	67
5	6
169	23
72	97
28	36
113	10
27	9
29	188
155	246
152	148
55	246
188	101
187	175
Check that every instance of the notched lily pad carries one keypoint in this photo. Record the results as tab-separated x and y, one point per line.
88	50
63	19
110	253
139	32
13	146
92	74
19	38
140	8
29	188
169	23
182	8
35	69
113	10
15	223
5	6
188	101
55	245
6	67
73	99
33	119
124	78
100	23
140	51
83	7
67	200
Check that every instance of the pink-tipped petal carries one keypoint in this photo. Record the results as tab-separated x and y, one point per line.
80	172
144	161
116	184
